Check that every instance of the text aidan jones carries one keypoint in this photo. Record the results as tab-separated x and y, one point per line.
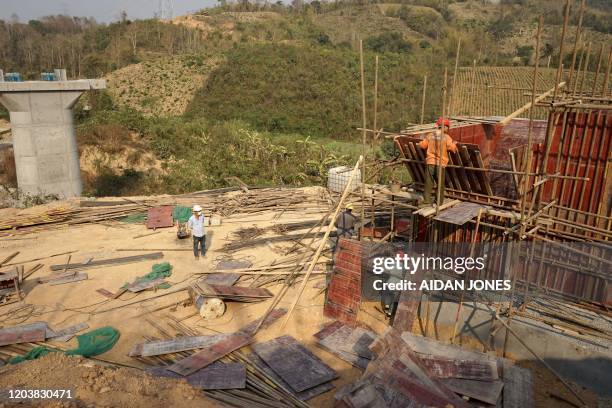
439	284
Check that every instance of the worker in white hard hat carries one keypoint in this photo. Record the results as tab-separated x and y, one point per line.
345	224
196	225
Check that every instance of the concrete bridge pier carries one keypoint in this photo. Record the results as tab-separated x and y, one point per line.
44	139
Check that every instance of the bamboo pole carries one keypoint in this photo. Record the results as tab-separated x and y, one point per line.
528	105
599	58
527	156
373	139
561	46
330	226
585	68
363	134
604	86
452	92
441	140
423	98
576	40
575	84
472	97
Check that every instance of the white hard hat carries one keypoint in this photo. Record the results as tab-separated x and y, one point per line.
197	208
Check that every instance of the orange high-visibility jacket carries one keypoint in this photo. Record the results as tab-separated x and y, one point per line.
432	144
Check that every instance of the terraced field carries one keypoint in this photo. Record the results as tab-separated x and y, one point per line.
499	91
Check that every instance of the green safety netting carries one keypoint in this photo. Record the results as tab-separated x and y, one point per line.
95	342
181	213
134	218
91	344
33	354
160	270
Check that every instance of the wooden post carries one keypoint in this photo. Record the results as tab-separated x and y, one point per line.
439	197
576	40
330	226
575	84
423	98
363	137
527	156
604	86
560	67
452	92
598	69
472	98
585	68
372	222
375	94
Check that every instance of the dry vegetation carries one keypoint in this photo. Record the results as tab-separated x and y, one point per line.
161	87
499	91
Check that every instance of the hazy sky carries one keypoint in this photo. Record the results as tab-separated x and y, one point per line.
102	10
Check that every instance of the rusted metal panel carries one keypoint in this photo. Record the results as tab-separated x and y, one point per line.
336	338
69	279
67	333
518	387
111	261
485	391
461	176
156	348
203	358
466	369
217	376
160	217
294	363
459	214
27	333
141	285
238	291
304	395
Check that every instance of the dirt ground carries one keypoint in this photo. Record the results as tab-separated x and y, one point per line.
65	305
94	385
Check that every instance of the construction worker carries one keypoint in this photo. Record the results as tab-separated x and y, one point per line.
196	226
438	144
345	224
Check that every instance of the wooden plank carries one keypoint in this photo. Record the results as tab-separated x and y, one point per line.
485	391
303	395
67	333
408	305
429	211
518	387
205	357
111	261
465	369
27	333
460	213
156	348
217	376
294	363
69	279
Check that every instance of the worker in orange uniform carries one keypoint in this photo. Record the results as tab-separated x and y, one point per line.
438	144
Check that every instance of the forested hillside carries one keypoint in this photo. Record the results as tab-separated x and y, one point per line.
285	75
